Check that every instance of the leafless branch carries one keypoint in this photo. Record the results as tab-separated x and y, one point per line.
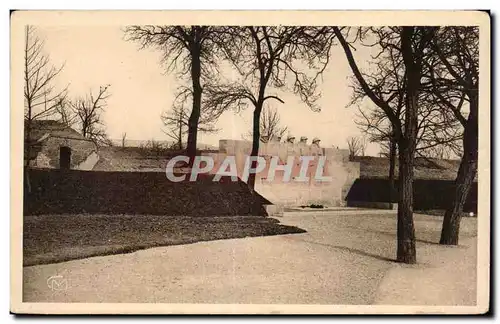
88	114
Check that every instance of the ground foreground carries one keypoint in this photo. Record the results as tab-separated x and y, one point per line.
346	257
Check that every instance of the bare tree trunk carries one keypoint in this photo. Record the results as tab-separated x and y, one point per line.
255	144
195	113
392	167
406	252
28	120
463	182
181	119
27	143
124	138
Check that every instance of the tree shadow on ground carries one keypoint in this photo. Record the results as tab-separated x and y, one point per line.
364	253
352	250
392	234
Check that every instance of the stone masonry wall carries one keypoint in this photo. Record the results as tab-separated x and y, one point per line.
329	193
48	157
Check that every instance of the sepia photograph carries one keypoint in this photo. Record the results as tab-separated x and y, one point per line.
250	162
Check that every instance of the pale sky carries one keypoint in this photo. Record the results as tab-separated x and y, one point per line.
141	90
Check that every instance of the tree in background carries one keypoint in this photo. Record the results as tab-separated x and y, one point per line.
87	111
65	113
356	146
124	139
270	125
153	147
271	128
40	96
269	58
176	120
191	51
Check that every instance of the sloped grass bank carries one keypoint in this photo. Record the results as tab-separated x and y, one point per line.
59	238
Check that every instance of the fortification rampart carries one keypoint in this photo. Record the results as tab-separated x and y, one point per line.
337	167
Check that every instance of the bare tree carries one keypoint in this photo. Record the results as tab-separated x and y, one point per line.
438	135
271	127
176	120
124	139
65	113
387	80
40	96
268	57
437	131
192	51
356	146
454	79
175	124
153	147
88	111
412	44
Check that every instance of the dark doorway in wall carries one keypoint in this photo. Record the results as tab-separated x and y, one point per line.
65	157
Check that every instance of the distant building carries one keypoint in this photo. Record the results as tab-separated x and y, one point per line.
55	145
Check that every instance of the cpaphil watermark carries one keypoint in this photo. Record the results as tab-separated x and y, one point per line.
253	165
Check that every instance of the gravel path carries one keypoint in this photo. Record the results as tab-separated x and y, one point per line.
342	259
445	277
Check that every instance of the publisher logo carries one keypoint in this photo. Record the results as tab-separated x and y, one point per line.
57	283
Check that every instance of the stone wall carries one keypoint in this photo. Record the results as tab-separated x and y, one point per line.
293	193
81	150
427	194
